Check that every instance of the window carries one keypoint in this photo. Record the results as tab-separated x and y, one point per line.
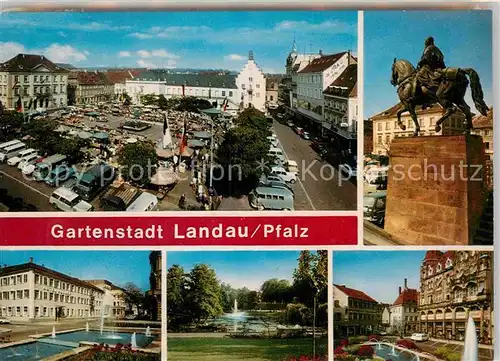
35	77
379	140
26	294
379	126
25	279
257	95
250	79
487	145
243	86
26	79
16	79
223	93
387	125
230	93
257	86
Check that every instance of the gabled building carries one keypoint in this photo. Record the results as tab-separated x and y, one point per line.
404	312
38	82
251	84
89	87
114	301
119	79
314	79
355	312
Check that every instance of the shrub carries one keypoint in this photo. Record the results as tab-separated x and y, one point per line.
407	344
353	349
454	356
447	354
338	350
374	337
365	351
294	314
358	339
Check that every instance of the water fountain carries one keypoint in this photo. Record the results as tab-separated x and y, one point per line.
417	357
393	351
235	308
148	331
133	340
102	321
87	327
470	346
53	332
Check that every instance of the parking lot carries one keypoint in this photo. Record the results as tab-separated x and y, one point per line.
485	351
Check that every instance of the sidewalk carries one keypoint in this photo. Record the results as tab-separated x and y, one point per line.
460	343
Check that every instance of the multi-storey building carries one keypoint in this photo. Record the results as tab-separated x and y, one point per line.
29	292
403	312
212	87
154	294
36	80
114	300
453	286
385	126
89	87
340	110
483	126
251	84
355	313
119	79
314	79
272	88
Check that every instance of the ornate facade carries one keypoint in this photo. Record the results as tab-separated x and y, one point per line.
154	294
454	285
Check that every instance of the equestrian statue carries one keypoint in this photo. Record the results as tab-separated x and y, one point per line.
432	82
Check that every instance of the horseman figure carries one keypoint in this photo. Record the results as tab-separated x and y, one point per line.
429	69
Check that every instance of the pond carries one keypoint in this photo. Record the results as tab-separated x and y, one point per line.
245	323
31	351
388	353
107	337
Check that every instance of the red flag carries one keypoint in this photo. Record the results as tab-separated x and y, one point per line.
19	105
225	104
183	143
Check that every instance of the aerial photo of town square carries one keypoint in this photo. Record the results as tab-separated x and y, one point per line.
178	111
80	305
247	305
431	306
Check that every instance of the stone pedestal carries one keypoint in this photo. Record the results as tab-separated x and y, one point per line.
435	191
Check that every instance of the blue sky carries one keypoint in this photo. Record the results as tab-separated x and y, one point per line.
377	273
464	37
240	268
176	39
119	267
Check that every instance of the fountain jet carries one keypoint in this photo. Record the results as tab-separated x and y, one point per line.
148	331
235	308
133	340
87	327
53	332
470	347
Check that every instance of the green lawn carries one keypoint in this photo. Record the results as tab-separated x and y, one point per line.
229	349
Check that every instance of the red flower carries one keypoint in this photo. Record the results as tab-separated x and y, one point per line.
344	342
365	351
339	350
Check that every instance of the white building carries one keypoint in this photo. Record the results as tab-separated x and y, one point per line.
313	80
404	312
119	79
251	84
29	291
114	301
386	316
38	81
213	87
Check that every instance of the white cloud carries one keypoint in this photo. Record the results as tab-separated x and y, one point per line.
144	53
145	64
162	53
61	34
64	54
141	36
164	64
235	57
10	49
338	27
124	54
95	26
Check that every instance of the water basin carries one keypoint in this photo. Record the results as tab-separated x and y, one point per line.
31	351
107	337
386	353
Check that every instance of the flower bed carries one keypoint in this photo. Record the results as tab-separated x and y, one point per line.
407	344
307	358
118	352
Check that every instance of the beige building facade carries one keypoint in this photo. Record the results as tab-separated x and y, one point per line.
31	292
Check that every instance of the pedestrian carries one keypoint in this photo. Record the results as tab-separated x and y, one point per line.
182	201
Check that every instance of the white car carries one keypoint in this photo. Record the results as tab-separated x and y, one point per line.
288	177
13	161
419	337
4	321
28	160
292	166
66	200
28	169
273	140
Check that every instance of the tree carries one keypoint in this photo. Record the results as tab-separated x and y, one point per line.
162	102
255	119
127	100
310	279
138	161
228	295
275	291
10	123
149	99
252	300
176	293
72	148
204	295
134	297
193	104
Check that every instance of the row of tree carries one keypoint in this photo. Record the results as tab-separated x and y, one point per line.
189	104
244	150
197	296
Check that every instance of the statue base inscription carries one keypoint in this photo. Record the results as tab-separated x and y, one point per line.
435	191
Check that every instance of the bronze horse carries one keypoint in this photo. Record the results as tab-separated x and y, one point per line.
450	93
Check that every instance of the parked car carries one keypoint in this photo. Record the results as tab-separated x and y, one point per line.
59	175
289	177
419	337
374	207
298	130
94	180
271	198
280	115
306	135
14	161
290	124
4	321
273	140
350	169
281	185
32	159
292	166
270	178
66	200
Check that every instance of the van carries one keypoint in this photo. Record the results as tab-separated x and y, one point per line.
66	200
11	151
273	140
144	203
8	144
46	166
277	154
374	207
271	198
60	174
13	161
119	198
94	180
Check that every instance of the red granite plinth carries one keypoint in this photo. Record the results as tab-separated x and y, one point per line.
434	196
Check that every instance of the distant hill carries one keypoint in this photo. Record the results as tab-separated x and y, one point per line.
65	66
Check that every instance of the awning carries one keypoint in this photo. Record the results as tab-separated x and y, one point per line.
164	177
92	114
212	111
311	115
131	140
202	135
84	135
195	143
101	135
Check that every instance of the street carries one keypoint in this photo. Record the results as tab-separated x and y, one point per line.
485	353
321	190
